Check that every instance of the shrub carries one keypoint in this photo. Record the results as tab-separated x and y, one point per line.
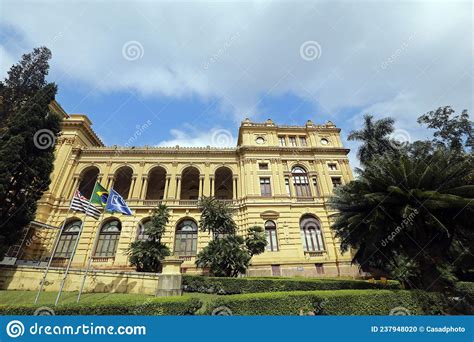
153	306
464	303
222	285
343	302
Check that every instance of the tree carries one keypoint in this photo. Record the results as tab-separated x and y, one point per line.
409	216
374	137
452	131
228	254
147	255
24	80
28	131
216	216
225	257
255	240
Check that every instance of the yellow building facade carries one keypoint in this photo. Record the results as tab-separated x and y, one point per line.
278	177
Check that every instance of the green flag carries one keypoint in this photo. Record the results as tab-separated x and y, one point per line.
99	195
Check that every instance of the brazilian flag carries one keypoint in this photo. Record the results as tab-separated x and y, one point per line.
99	195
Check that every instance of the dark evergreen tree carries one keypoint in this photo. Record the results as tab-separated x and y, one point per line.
147	255
23	81
28	131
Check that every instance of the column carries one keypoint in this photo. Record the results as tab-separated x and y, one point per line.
144	187
235	180
110	181
137	188
207	181
178	187
211	180
167	183
281	174
132	186
201	185
276	190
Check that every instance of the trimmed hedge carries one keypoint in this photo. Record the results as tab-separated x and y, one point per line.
225	286
342	302
176	306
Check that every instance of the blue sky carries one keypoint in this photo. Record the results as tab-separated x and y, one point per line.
195	70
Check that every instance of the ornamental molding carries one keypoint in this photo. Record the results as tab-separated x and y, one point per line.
270	215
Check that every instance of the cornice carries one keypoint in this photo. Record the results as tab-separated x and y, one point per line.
88	130
319	150
157	150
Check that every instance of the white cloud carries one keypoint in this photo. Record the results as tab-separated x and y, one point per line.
386	58
190	137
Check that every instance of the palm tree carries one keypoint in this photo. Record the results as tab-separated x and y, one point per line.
410	216
374	137
147	254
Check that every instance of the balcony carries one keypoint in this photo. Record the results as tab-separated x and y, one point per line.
188	203
314	254
305	199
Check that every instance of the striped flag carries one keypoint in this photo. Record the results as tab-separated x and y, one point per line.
80	203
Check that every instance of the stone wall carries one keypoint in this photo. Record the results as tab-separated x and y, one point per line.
29	279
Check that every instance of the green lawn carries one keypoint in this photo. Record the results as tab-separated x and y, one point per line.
48	298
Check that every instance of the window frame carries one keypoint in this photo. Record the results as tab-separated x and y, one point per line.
189	237
336	184
67	240
272	239
293	141
301	182
265	187
109	239
311	232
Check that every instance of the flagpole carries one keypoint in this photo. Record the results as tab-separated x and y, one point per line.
89	262
73	253
55	246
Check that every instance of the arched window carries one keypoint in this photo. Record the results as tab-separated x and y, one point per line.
301	182
186	238
223	181
123	181
190	184
142	228
156	184
88	179
311	234
271	234
68	239
108	239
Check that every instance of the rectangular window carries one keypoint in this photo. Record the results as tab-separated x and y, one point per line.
336	181
319	268
282	141
303	141
263	166
332	167
287	186
293	141
265	188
